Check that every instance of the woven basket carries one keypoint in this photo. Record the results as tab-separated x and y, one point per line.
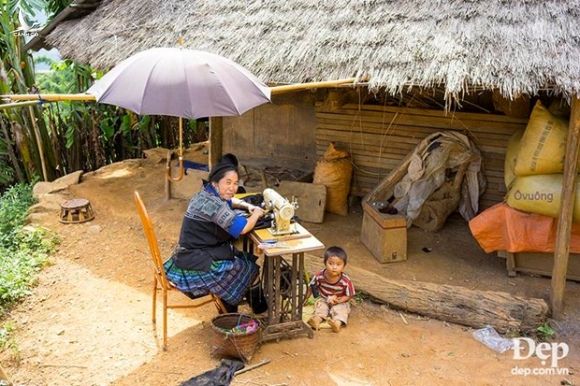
233	345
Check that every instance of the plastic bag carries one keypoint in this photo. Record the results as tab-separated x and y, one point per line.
489	337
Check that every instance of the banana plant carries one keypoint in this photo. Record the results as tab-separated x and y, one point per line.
18	77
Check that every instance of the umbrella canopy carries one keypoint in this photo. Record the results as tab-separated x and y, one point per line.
181	83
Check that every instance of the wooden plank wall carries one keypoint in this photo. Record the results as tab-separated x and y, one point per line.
379	137
280	133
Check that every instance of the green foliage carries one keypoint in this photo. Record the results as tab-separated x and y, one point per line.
23	250
545	332
60	80
54	7
17	76
125	125
6	171
24	9
108	126
65	77
360	297
13	206
7	341
75	135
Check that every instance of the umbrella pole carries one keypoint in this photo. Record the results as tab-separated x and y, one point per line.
180	158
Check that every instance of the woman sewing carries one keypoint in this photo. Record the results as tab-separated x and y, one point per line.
205	260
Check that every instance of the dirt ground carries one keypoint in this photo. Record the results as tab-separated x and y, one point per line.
88	322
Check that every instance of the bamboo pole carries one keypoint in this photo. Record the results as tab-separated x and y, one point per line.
51	97
18	104
91	98
308	86
38	143
562	248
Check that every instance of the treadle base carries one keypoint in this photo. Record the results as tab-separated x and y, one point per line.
286	330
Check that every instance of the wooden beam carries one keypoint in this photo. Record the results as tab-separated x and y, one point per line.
562	247
216	136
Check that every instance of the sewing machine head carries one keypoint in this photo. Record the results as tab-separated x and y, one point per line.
283	211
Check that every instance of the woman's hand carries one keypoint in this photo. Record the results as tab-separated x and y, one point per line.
241	204
255	215
256	211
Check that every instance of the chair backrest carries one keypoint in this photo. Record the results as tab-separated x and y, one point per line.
151	240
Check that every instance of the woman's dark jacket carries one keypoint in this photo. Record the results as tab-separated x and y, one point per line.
209	227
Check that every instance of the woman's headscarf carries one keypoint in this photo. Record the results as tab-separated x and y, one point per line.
227	163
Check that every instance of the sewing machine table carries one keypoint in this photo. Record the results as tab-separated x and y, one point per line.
285	292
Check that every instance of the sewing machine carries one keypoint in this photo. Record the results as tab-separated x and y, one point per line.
282	210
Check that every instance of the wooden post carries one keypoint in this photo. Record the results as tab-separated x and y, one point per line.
216	135
38	143
562	247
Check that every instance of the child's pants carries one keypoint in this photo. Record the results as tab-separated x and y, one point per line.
337	312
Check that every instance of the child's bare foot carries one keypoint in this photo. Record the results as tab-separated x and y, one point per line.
335	324
314	322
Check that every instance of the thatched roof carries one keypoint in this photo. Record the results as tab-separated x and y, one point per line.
75	10
517	46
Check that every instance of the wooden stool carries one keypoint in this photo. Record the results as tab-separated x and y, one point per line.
76	211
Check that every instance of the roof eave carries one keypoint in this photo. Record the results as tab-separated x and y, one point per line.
77	9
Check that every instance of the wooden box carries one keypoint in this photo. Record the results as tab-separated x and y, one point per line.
384	235
539	263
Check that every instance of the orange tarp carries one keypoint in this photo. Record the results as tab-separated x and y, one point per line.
503	228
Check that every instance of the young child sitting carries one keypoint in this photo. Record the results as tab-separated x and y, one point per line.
334	291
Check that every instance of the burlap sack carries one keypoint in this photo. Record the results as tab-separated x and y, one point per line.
541	194
511	156
334	171
543	146
438	207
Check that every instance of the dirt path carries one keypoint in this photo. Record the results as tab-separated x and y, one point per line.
88	321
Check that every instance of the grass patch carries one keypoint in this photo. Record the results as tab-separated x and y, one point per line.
545	332
7	341
24	250
360	297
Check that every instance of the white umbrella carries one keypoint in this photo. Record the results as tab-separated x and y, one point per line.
181	83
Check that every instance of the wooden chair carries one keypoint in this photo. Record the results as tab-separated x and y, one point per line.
160	281
4	377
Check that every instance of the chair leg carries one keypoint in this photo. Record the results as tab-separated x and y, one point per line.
4	377
154	309
164	320
221	309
